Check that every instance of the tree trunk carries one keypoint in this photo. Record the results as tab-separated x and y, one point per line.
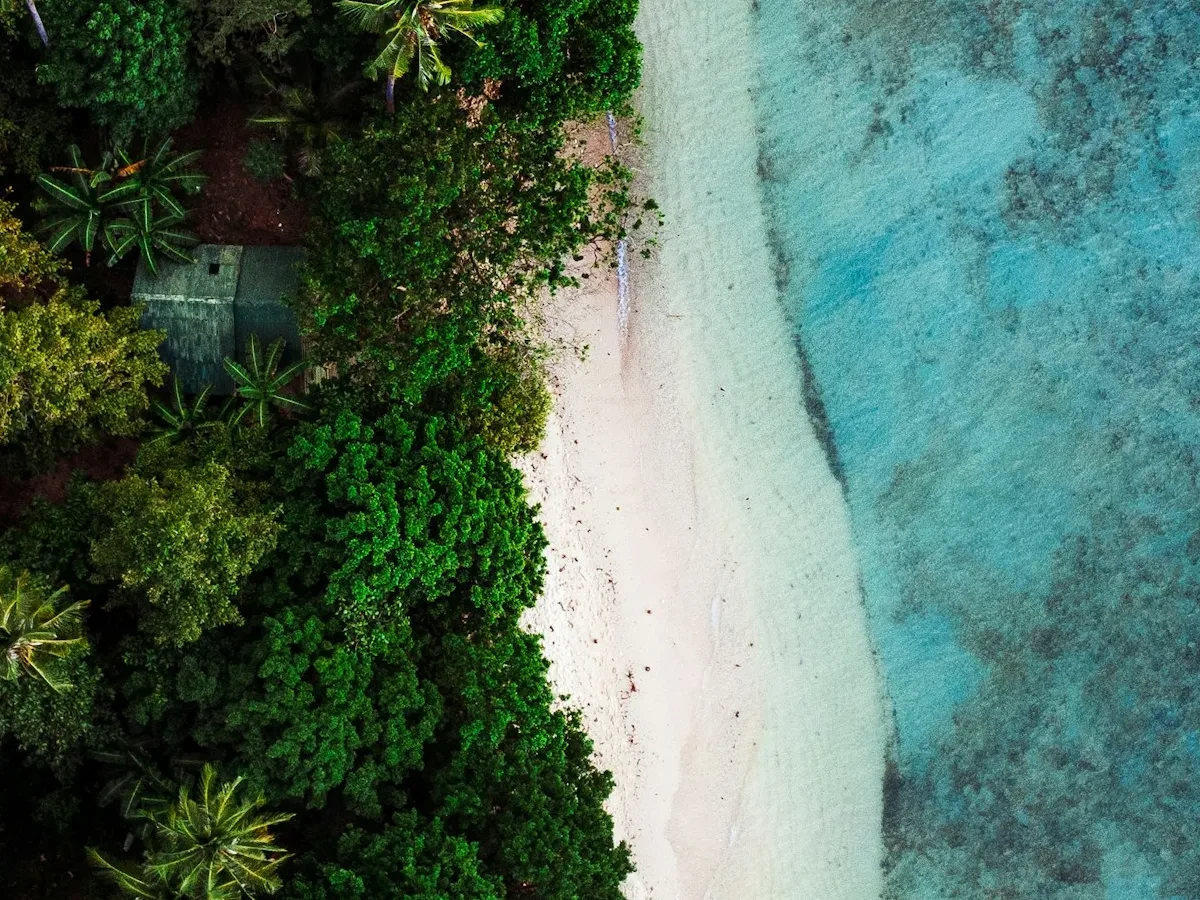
389	92
37	22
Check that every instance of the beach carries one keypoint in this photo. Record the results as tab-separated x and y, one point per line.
703	605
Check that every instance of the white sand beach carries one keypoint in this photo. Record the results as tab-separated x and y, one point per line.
702	605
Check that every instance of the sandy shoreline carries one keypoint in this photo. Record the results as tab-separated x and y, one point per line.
702	605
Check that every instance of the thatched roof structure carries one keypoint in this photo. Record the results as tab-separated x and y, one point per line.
210	308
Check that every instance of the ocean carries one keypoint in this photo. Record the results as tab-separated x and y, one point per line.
984	217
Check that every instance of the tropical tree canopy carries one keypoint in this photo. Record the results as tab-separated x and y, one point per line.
70	374
180	541
123	61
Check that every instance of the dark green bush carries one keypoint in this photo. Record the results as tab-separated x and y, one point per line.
430	232
123	61
265	159
403	511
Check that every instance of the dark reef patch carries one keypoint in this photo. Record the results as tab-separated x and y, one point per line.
814	406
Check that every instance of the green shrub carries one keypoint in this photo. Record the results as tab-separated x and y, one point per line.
408	857
124	61
265	159
52	538
408	511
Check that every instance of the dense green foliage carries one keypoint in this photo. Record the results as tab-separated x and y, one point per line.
519	779
180	540
49	686
227	31
426	202
407	858
123	61
327	606
412	511
68	372
560	59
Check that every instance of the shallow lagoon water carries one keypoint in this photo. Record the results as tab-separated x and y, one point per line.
985	216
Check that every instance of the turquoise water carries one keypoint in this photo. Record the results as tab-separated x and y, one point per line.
986	218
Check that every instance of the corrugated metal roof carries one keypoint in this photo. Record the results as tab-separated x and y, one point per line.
210	308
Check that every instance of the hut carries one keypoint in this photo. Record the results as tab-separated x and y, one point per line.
210	308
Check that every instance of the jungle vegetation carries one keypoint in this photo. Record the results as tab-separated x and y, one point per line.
270	643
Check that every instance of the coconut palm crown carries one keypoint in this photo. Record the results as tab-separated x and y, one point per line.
210	844
411	30
36	629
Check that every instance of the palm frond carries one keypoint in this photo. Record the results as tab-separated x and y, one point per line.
260	384
128	879
62	194
369	16
35	628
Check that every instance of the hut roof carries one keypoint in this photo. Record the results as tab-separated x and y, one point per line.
210	308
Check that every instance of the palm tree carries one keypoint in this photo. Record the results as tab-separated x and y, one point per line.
152	235
139	191
214	846
306	120
411	30
159	172
83	204
35	629
261	384
182	418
